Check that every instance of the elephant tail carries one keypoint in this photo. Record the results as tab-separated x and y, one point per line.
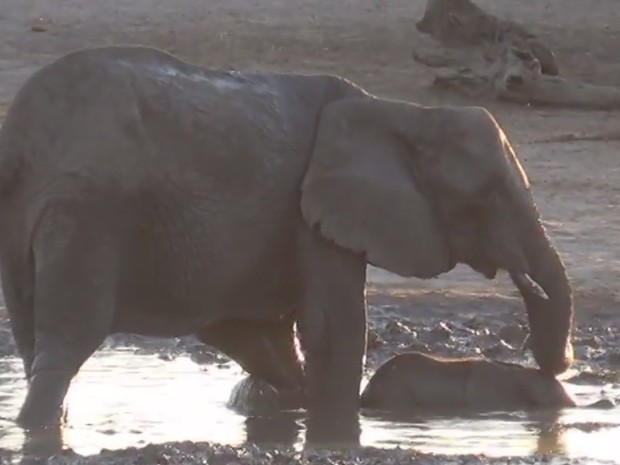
30	125
13	141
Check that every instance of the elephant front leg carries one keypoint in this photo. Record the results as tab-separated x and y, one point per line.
332	324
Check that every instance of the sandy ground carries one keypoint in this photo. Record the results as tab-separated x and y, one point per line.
370	42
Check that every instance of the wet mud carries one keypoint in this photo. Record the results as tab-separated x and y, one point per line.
432	322
185	453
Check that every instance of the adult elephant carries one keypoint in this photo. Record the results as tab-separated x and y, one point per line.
140	193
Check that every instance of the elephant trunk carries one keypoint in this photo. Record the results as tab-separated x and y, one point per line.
550	313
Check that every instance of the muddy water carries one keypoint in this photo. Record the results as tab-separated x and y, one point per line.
121	399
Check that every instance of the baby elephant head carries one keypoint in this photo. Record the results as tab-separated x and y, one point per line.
417	190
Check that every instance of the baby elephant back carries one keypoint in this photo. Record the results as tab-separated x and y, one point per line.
415	381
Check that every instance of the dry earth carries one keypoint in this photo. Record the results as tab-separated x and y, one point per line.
370	41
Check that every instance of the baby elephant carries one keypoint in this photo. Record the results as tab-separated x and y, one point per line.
254	396
414	381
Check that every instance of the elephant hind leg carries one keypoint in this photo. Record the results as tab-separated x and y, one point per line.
17	286
74	299
264	348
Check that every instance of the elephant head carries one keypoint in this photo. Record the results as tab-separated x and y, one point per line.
419	189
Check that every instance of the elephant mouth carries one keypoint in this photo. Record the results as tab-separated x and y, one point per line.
522	279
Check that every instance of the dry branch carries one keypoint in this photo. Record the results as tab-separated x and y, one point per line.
461	23
546	90
483	55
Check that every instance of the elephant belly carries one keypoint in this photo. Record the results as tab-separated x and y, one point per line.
187	274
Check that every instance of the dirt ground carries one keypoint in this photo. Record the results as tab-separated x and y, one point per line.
370	42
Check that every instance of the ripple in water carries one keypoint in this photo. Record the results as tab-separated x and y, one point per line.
121	399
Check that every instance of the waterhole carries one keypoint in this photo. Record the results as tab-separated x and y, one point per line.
120	399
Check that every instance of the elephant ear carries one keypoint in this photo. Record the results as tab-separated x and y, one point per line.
360	192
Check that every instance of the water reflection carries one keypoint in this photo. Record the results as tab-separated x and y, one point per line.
120	399
497	433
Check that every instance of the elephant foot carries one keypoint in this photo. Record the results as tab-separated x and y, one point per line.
43	407
333	433
41	444
292	399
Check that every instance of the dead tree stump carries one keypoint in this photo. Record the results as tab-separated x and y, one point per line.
461	23
482	55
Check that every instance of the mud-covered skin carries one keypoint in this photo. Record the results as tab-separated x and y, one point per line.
414	381
173	199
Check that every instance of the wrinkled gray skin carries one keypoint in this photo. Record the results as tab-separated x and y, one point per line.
142	194
414	381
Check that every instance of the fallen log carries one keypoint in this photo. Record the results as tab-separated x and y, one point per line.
461	23
485	56
514	75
